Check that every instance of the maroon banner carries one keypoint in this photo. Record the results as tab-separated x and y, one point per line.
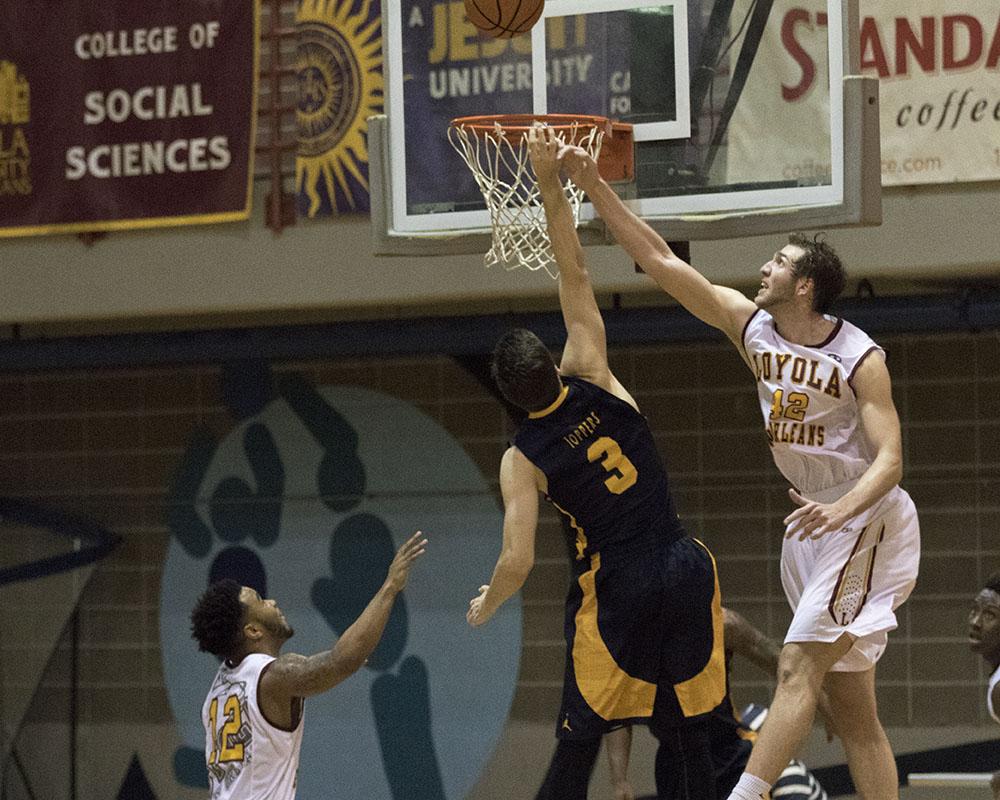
125	114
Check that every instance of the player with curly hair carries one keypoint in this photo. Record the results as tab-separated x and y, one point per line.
253	711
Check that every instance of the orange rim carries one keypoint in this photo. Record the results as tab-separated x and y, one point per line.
616	161
519	123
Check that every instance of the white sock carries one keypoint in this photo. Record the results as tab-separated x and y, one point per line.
750	787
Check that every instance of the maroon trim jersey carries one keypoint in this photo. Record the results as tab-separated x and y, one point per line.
809	408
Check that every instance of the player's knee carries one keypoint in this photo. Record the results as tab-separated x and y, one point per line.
798	670
800	684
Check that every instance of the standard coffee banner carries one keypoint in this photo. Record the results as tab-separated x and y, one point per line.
126	115
939	94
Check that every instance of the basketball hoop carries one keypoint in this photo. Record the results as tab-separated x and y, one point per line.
495	148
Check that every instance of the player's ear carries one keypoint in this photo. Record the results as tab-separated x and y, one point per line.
805	286
252	631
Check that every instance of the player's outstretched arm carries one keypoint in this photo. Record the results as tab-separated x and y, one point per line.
747	641
517	556
585	354
718	306
293	675
880	424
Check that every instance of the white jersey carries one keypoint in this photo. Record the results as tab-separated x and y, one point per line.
994	680
810	411
851	581
248	758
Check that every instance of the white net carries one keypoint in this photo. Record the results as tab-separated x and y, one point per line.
498	158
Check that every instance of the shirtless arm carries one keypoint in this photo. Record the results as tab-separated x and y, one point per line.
744	639
517	555
880	424
293	675
718	306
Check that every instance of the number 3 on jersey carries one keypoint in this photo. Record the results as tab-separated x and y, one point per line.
234	721
623	472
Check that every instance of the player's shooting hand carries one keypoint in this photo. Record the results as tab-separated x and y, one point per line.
399	569
543	150
812	520
476	615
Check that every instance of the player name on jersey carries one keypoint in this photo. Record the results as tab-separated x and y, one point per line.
583	430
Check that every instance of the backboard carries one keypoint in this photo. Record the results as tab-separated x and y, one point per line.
749	115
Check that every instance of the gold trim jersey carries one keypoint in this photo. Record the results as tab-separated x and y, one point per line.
247	757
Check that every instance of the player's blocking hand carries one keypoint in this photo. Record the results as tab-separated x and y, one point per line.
399	569
578	166
812	520
476	615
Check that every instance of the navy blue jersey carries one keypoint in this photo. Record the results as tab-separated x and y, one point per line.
602	468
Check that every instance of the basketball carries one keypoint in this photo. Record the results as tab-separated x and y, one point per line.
504	19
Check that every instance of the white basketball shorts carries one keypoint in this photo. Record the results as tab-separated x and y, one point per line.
854	580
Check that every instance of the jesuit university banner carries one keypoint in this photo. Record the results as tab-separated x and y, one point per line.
125	114
939	95
451	71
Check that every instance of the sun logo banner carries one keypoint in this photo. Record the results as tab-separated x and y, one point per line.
339	68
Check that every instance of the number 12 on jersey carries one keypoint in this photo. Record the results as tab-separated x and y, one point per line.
223	746
793	407
623	471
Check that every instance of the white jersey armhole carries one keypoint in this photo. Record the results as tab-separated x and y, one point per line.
744	352
994	680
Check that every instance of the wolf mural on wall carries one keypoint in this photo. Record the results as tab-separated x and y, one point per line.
306	499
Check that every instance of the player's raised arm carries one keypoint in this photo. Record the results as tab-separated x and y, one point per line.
294	675
718	306
585	354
